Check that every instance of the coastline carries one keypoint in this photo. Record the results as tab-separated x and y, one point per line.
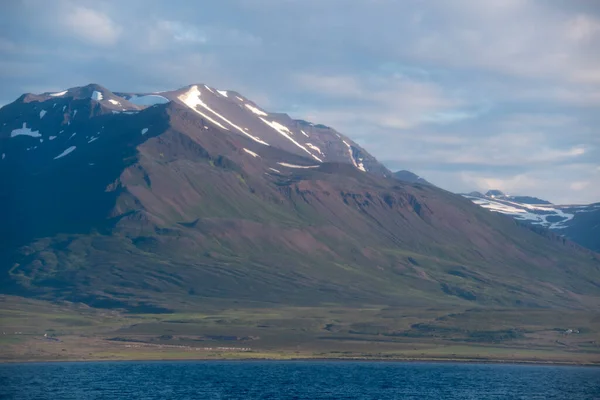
428	360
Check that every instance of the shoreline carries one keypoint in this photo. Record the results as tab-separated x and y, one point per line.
318	359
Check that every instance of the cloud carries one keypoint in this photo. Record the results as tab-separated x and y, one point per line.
392	101
181	32
464	93
535	183
91	26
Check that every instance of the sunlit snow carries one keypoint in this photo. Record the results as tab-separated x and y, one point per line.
253	154
276	170
192	99
97	95
256	110
284	131
312	146
357	165
148	100
297	166
222	93
116	103
66	152
304	133
42	113
25	131
522	211
239	98
58	94
144	131
209	89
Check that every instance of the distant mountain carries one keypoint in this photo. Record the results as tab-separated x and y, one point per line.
410	177
580	223
163	201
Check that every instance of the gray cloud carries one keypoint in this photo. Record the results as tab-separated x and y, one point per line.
469	94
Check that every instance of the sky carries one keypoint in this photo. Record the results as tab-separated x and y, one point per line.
469	94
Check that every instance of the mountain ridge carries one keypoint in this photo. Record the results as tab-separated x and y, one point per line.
577	222
161	204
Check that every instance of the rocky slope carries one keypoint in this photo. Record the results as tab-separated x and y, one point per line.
161	201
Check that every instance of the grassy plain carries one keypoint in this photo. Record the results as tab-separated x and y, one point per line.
42	331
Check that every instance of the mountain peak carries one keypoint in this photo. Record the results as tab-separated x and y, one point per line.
495	193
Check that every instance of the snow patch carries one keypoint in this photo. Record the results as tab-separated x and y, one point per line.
64	108
284	131
97	95
256	111
74	133
116	103
66	152
253	154
315	148
92	139
239	98
25	131
144	131
222	93
304	133
356	164
41	140
297	166
209	89
74	113
58	94
148	100
3	156
276	170
537	215
42	113
192	99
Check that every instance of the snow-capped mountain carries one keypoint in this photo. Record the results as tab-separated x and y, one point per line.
54	125
580	223
121	199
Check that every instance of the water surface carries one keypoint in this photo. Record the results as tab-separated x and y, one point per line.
295	380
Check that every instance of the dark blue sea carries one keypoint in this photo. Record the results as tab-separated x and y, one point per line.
295	380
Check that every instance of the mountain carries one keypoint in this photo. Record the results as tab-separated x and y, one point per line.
166	201
579	223
410	177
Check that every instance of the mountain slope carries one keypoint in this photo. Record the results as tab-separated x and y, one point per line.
580	223
167	200
410	177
